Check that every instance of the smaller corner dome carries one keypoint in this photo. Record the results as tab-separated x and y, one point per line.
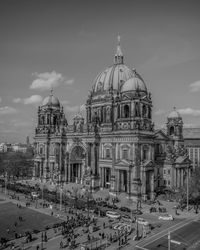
174	114
136	83
51	100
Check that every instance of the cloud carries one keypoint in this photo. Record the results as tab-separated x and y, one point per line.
34	99
17	100
72	108
65	102
189	111
48	80
7	110
19	123
69	82
195	86
159	112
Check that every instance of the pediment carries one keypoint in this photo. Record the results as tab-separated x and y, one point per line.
148	163
159	134
183	160
123	162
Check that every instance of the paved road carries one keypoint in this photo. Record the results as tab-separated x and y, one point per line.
187	236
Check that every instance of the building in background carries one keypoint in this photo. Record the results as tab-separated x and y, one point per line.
5	147
192	143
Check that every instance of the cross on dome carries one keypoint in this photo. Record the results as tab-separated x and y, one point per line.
119	58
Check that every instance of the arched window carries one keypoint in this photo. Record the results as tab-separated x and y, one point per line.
107	153
126	111
125	154
171	131
144	111
145	153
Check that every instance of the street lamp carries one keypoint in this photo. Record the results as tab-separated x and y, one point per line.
61	197
187	188
6	175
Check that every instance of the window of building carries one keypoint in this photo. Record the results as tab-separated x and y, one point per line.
164	182
168	182
41	150
168	171
171	131
125	154
126	111
164	171
107	153
145	153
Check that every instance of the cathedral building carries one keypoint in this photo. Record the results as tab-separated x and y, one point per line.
115	146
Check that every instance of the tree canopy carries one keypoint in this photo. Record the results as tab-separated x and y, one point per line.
16	164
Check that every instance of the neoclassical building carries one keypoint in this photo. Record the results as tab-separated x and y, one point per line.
115	146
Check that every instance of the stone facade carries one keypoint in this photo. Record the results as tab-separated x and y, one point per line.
115	146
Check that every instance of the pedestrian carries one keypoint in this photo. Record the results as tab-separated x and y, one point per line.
61	244
37	248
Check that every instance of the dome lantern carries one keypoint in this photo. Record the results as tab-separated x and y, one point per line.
51	101
119	57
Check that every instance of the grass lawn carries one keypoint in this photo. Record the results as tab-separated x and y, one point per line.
9	214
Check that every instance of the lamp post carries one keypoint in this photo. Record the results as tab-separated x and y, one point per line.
61	197
130	167
187	188
6	175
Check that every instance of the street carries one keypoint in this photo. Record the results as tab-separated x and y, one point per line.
186	236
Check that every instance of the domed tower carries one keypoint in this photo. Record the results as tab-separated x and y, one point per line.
50	140
175	127
120	98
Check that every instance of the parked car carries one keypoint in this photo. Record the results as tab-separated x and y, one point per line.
127	218
113	215
34	195
166	217
125	209
122	227
137	212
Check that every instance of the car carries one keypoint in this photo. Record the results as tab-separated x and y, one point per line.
113	215
137	212
166	217
127	218
125	209
142	221
122	227
34	195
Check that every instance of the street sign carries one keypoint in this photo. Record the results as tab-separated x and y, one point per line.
175	242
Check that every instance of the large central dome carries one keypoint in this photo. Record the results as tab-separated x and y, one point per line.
118	77
112	78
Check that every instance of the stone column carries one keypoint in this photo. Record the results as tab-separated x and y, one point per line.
113	177
178	177
174	177
132	109
152	185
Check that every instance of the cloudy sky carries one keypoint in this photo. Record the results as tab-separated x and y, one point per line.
65	44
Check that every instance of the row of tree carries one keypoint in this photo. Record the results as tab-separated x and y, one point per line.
16	165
